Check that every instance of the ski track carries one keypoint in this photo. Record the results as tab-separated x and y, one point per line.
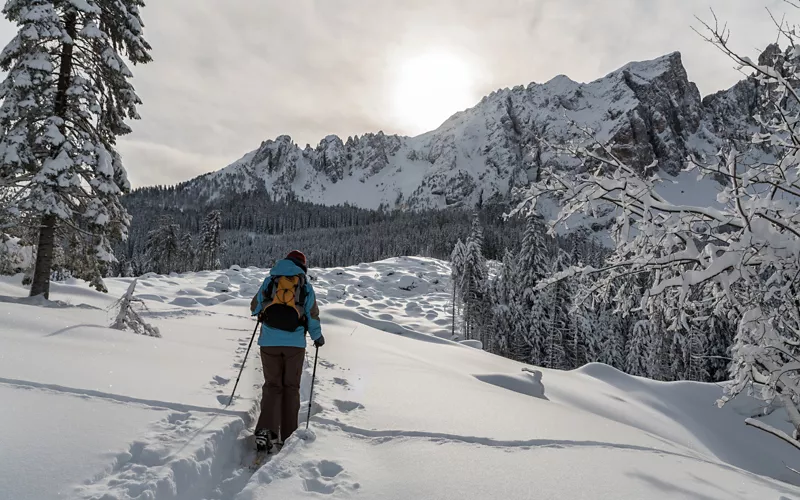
89	393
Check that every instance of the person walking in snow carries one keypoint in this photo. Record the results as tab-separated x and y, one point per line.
286	306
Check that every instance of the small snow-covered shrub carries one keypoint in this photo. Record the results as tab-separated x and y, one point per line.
128	318
14	256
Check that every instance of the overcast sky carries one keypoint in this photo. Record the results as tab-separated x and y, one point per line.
229	74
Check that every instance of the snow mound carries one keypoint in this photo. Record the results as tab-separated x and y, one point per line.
526	383
185	302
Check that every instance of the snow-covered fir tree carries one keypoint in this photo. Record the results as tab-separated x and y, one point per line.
474	283
186	253
638	344
164	246
457	257
503	300
533	262
65	100
211	241
556	302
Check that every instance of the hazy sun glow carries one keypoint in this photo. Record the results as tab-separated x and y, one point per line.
429	88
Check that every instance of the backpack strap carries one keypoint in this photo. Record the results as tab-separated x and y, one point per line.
269	292
302	292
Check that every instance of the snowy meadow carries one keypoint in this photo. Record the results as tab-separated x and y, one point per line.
400	411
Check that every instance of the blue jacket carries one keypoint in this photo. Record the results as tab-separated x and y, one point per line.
272	337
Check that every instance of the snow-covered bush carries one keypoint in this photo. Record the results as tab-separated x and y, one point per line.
14	256
128	318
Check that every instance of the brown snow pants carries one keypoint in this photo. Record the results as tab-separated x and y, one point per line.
280	402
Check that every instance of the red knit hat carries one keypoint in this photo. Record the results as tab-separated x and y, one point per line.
298	256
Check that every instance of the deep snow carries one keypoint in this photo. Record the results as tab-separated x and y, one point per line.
399	410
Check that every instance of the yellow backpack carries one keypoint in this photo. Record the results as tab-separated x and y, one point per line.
284	303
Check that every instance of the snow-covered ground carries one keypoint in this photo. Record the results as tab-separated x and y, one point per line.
399	411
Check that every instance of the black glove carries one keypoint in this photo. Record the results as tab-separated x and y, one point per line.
319	342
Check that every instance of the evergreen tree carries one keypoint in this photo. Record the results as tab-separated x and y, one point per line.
457	258
720	339
163	246
186	253
211	241
612	339
533	261
473	284
503	300
558	330
636	359
65	99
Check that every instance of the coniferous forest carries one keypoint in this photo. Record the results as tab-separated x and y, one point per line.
171	230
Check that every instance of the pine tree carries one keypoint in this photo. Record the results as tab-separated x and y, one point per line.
456	278
720	339
612	339
211	241
502	300
558	330
531	309
636	359
186	253
473	284
64	101
163	246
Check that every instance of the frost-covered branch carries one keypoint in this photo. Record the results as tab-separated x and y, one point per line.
128	318
737	256
758	424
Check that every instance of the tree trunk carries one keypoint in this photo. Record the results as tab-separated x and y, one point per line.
47	231
454	308
44	257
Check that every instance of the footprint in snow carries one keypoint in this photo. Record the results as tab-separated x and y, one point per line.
347	406
217	380
326	477
341	381
179	417
329	469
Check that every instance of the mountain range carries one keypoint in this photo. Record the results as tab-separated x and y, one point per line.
650	111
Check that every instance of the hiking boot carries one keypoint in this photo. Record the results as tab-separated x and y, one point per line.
263	441
275	444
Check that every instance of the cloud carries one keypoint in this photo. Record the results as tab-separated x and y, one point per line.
164	165
228	75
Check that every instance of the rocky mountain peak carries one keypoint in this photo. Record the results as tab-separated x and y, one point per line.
649	110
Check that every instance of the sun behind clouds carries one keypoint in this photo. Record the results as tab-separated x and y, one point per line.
429	88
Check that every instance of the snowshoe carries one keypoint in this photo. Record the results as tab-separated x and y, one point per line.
267	441
263	441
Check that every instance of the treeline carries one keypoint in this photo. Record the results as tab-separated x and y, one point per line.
257	230
521	312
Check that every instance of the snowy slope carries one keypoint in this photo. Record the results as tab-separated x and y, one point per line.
399	410
649	110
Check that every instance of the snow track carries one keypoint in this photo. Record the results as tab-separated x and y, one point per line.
88	393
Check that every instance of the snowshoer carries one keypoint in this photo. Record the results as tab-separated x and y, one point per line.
287	307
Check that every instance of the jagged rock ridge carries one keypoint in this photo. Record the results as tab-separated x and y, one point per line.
649	110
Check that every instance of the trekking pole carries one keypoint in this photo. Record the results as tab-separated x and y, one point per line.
243	361
311	396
